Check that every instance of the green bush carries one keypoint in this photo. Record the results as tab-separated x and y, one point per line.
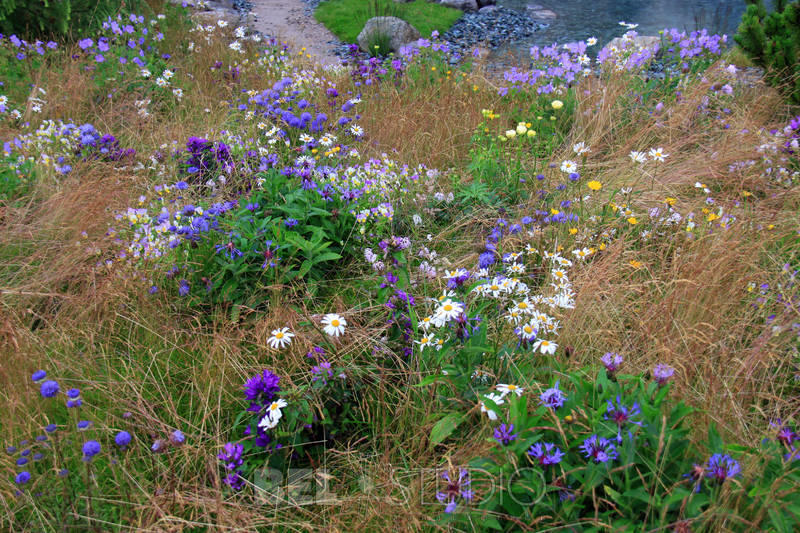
34	18
771	40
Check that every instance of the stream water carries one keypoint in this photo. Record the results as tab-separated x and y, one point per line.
579	19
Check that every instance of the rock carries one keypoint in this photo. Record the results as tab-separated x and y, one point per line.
397	30
485	3
540	13
640	41
463	5
487	9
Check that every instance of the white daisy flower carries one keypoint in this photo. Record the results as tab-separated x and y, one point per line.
508	388
569	167
334	324
497	399
581	148
638	157
281	338
657	154
545	347
273	415
449	310
425	341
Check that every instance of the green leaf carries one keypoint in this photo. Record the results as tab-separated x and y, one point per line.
327	256
444	427
304	268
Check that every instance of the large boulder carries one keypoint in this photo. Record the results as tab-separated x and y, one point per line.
484	3
640	41
398	31
463	5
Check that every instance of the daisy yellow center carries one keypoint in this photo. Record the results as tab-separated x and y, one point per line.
279	335
335	323
527	329
495	287
273	407
424	340
523	305
448	307
545	343
512	387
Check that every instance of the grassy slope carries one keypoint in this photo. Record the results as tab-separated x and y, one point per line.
171	369
346	18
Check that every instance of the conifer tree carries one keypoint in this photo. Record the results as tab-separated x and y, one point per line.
772	41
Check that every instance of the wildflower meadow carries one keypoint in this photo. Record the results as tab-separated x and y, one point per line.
243	292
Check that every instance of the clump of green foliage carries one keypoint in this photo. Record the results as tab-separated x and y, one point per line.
34	18
771	40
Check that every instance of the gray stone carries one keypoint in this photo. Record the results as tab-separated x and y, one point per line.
540	13
484	3
397	30
640	41
487	9
463	5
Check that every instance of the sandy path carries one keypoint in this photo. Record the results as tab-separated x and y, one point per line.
288	21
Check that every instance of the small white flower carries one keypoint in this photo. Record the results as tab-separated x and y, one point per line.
497	399
591	41
280	338
507	388
273	415
167	74
416	219
657	154
581	148
426	340
545	347
448	310
638	157
569	167
334	324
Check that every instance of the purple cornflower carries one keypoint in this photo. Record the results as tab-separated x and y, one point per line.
612	361
291	222
229	249
22	478
503	434
90	449
269	256
546	453
49	389
261	388
662	373
177	438
553	397
721	467
318	372
456	489
231	455
697	474
785	434
38	376
183	288
85	43
83	425
621	414
600	449
122	439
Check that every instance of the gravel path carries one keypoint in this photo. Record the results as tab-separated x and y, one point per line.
290	20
